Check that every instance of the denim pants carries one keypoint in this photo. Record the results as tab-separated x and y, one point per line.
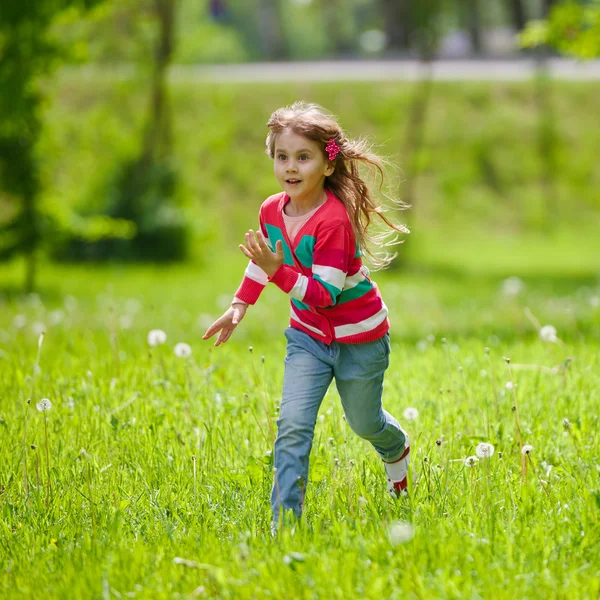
310	365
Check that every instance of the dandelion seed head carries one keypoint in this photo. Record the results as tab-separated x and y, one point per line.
38	328
484	450
512	286
411	413
527	449
471	461
19	321
183	350
44	405
422	345
156	337
566	423
401	532
125	321
509	385
548	334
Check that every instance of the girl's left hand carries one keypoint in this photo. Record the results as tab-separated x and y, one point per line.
260	253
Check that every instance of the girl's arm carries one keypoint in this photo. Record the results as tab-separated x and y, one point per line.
332	254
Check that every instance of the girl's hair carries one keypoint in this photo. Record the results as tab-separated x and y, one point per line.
315	123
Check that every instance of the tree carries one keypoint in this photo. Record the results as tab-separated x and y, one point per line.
571	29
143	188
27	53
574	30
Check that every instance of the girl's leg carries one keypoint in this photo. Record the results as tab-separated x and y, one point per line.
359	372
308	373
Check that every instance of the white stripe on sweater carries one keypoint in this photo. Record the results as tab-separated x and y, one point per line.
254	272
362	327
300	287
331	275
309	327
354	280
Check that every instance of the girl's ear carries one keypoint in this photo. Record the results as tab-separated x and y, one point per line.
329	170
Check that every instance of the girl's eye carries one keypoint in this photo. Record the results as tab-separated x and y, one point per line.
304	156
281	156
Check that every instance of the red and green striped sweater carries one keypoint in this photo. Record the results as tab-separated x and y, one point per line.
332	296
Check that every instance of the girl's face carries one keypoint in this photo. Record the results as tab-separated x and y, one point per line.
300	166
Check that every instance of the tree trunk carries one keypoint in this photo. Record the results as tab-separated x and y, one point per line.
157	137
547	140
415	130
546	7
398	23
270	30
473	19
517	14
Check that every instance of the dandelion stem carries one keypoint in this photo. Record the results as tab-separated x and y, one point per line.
35	368
89	478
47	460
517	423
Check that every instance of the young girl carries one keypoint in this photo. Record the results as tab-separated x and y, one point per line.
309	244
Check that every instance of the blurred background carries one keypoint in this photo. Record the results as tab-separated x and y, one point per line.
132	131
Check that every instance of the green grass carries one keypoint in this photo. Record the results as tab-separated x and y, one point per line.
126	423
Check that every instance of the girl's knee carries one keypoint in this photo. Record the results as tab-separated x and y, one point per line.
367	428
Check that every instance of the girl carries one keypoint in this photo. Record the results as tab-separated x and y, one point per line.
309	244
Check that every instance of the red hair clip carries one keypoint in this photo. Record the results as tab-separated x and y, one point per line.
332	149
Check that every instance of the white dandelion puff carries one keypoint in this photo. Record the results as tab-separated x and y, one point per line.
471	461
566	423
484	450
56	316
411	413
157	337
548	334
401	532
512	286
527	449
125	321
183	350
510	385
38	328
44	405
19	321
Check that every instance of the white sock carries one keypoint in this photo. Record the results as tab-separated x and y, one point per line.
397	471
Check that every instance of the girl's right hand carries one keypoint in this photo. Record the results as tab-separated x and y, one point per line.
227	323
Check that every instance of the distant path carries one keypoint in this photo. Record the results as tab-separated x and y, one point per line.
386	70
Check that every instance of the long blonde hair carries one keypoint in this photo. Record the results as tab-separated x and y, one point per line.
315	123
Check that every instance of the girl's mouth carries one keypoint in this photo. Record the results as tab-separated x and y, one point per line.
292	181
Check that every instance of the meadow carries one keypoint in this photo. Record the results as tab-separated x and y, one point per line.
147	475
150	474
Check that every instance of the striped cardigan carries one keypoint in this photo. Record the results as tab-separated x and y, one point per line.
332	297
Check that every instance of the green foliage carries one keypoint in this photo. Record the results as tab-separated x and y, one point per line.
139	197
478	169
571	28
28	52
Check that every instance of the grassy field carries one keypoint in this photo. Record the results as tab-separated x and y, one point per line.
150	475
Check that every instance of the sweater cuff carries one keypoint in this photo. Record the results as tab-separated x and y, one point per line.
285	278
249	291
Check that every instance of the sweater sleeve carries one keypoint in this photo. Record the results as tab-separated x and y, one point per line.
255	279
332	255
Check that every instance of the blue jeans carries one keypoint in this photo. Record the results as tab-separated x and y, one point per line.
310	366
